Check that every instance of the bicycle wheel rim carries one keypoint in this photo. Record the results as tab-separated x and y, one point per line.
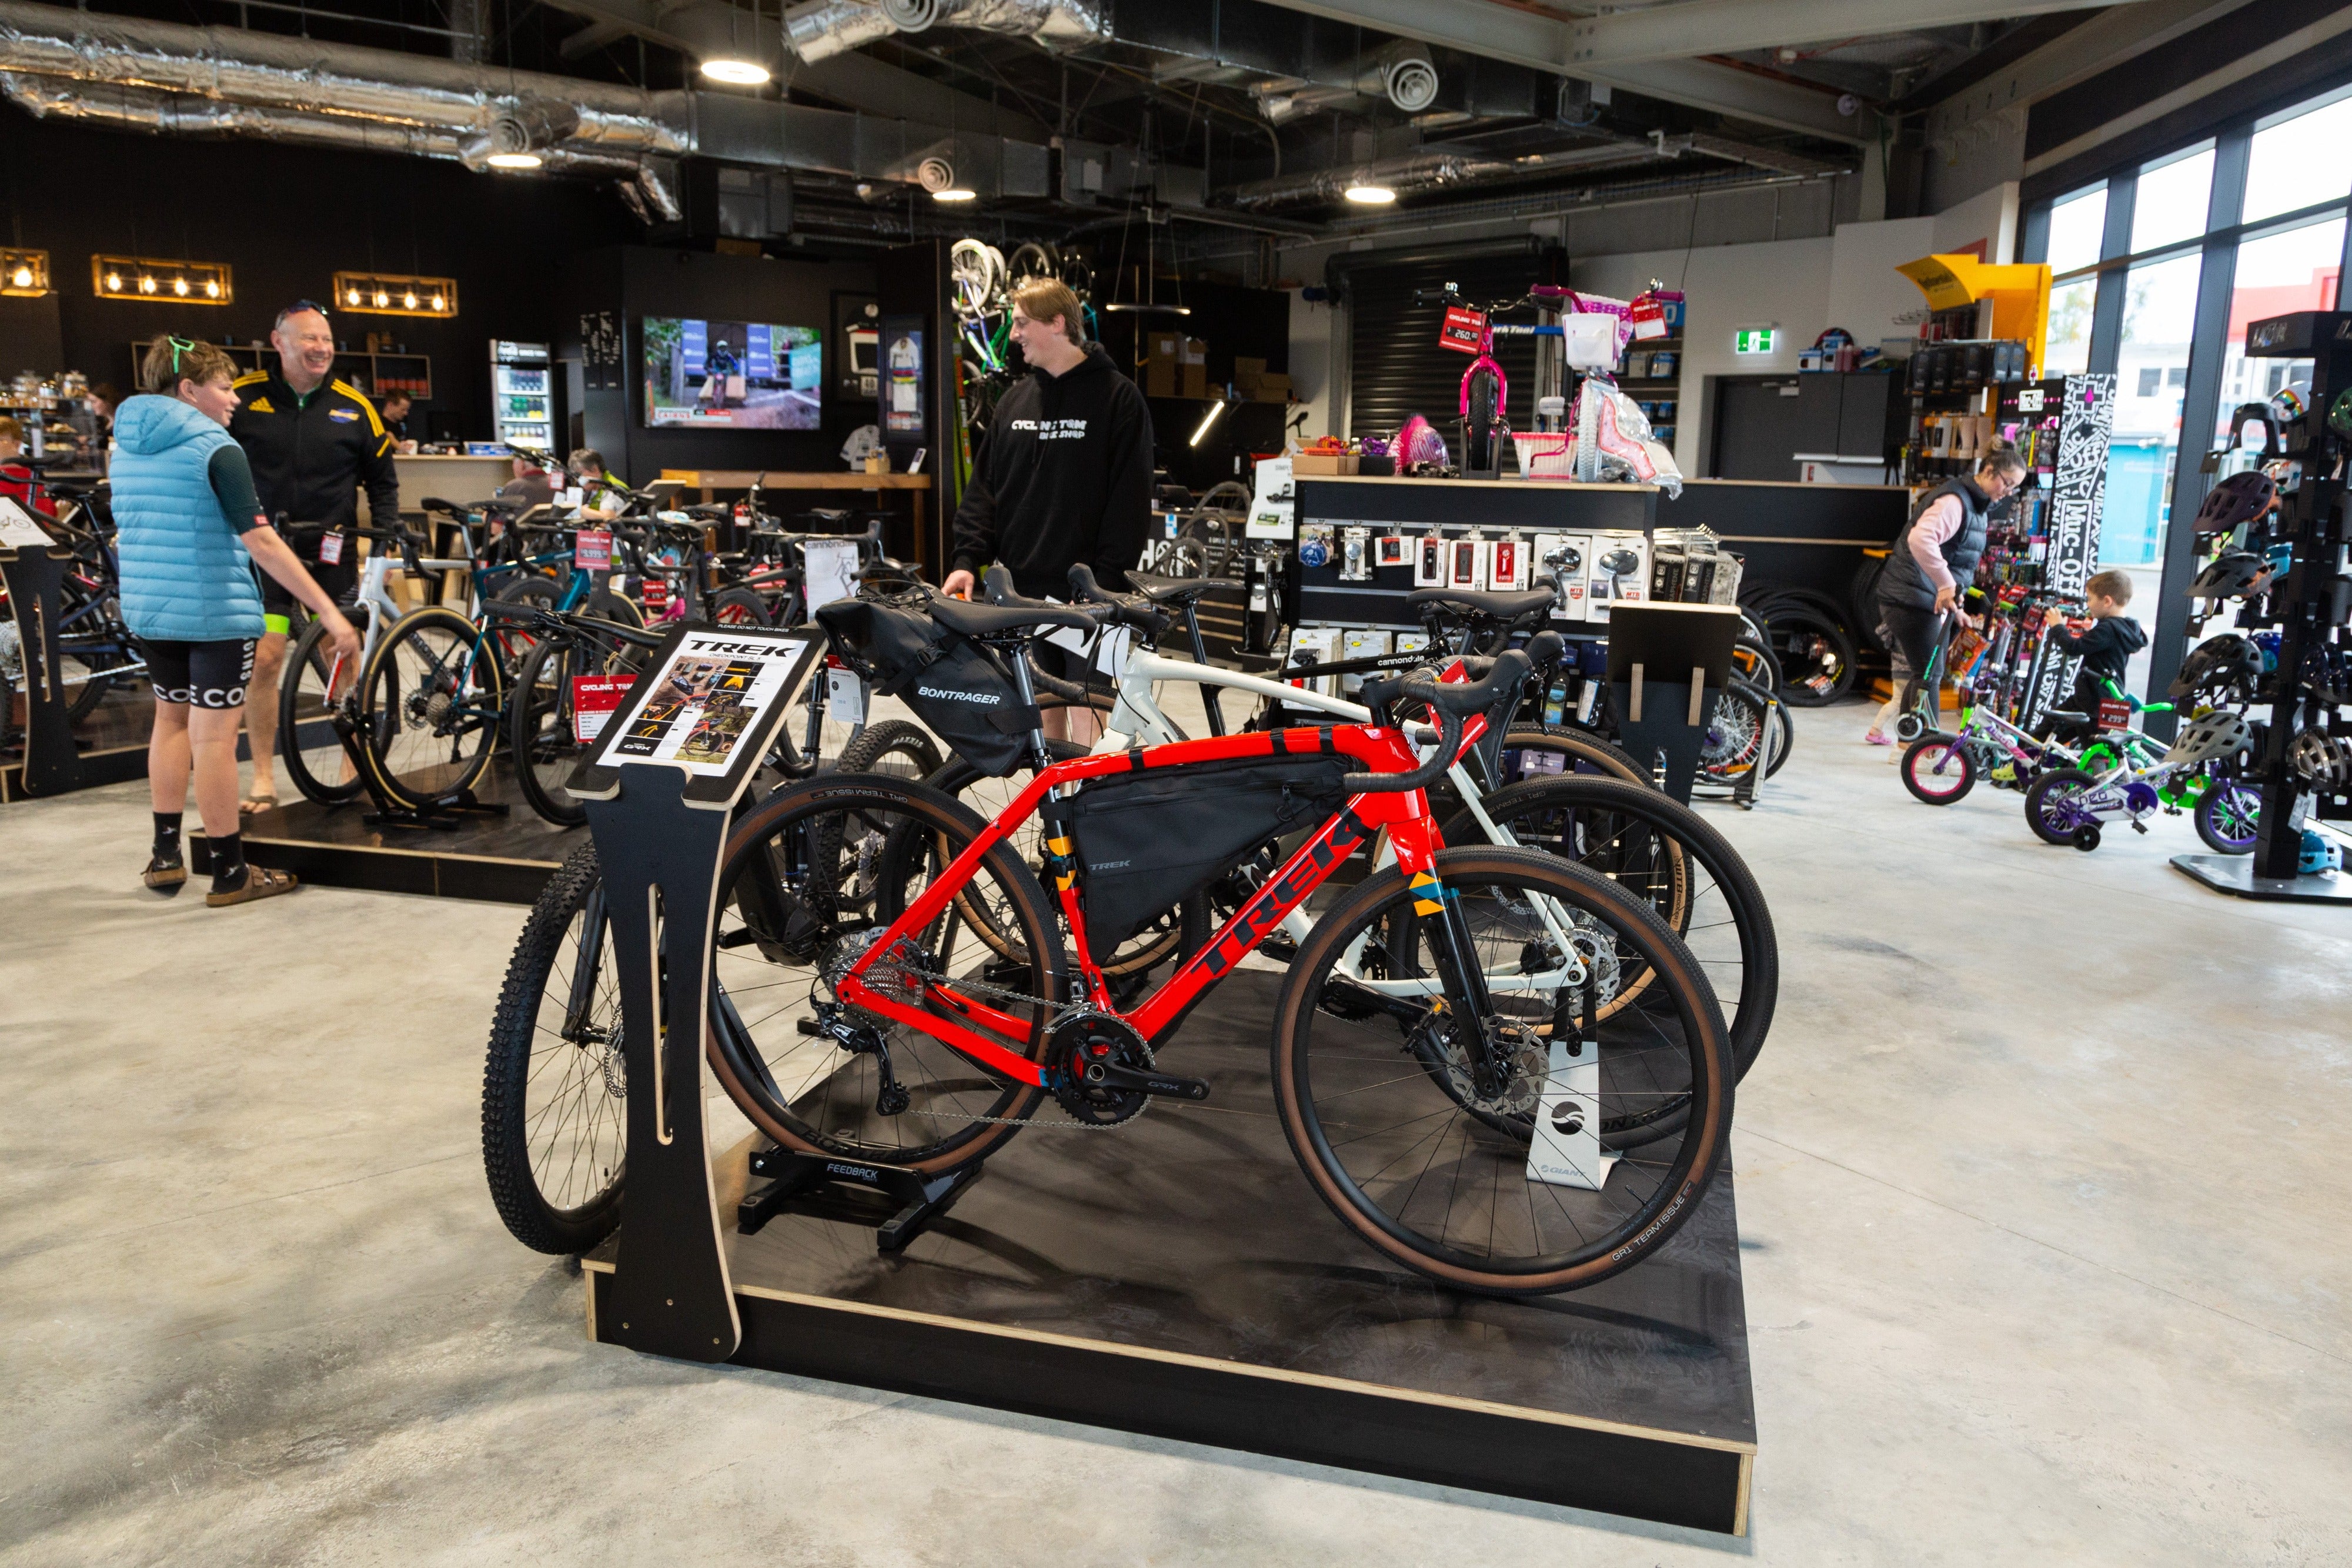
545	743
1479	1222
1938	769
431	704
317	764
575	1101
778	928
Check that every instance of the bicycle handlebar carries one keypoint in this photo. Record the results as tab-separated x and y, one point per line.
1146	620
1452	700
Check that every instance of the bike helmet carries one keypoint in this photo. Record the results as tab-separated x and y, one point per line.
2320	854
2230	576
2215	737
2234	502
2321	761
2289	404
2220	663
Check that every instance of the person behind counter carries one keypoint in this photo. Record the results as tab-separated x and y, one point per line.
600	493
393	411
531	484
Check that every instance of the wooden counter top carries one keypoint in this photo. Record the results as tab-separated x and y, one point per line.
708	480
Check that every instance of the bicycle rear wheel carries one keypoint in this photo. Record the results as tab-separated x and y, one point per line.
431	700
1672	858
786	934
543	722
1415	1118
319	765
555	1123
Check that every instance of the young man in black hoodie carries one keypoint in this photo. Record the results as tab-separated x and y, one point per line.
1065	474
2106	648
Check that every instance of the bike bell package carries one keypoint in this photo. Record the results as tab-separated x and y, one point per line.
962	690
1150	838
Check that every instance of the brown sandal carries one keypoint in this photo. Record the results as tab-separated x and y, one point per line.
166	878
260	881
260	800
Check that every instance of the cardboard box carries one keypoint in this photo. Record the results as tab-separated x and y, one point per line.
1163	356
1323	462
1193	369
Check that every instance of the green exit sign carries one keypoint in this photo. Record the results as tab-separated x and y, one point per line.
1754	340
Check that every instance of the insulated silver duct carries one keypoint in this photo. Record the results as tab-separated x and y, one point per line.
1429	171
820	29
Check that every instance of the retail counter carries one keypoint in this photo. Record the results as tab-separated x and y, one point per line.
450	478
1803	535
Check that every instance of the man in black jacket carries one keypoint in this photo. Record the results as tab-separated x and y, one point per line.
313	442
1065	475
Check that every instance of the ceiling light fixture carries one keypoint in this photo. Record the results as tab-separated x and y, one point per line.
1365	193
396	294
134	276
736	72
955	194
27	273
1208	421
515	159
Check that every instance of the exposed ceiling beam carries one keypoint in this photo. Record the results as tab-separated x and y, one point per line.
1728	26
2105	41
591	38
1541	40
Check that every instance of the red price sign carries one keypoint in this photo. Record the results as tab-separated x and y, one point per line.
1463	331
1649	317
654	593
592	550
594	700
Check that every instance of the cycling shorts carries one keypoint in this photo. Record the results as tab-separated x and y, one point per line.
200	675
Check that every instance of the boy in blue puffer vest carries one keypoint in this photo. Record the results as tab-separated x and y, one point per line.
188	530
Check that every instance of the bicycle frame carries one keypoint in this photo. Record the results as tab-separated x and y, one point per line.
1403	815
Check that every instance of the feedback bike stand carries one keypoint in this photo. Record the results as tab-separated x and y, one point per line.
920	1198
442	810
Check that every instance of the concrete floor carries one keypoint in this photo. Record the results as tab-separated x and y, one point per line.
2039	1182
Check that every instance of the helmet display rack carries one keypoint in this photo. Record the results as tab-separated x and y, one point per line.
2308	603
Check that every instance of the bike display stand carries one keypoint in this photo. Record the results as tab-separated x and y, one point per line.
1667	667
2308	606
1176	1278
659	812
53	764
443	810
921	1199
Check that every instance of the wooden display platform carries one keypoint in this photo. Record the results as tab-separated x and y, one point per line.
1178	1278
501	860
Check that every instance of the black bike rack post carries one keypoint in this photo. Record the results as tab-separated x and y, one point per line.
1667	667
660	830
34	576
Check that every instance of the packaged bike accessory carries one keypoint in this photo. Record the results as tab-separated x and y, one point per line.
960	689
1150	838
1429	562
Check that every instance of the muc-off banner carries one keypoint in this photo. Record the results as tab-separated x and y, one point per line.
2078	490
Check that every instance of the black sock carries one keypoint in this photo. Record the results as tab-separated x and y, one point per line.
167	836
228	862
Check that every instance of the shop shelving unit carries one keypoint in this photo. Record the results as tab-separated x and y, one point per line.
375	373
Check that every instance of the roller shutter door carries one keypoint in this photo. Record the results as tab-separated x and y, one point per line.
1396	367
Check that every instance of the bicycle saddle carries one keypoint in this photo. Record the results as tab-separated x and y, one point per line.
967	619
1177	592
1499	606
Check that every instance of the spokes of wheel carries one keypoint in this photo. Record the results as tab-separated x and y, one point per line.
795	915
313	754
430	702
1415	1123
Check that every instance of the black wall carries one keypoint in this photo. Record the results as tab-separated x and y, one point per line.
285	218
638	281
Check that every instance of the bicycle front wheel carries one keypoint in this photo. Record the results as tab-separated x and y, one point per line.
318	764
1413	1109
1939	768
544	723
430	702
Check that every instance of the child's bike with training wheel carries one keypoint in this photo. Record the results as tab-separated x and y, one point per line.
2124	774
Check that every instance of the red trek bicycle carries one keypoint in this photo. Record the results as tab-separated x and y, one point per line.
1455	1064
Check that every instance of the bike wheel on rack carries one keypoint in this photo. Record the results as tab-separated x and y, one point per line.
1672	858
1738	735
1542	751
2229	816
319	765
431	702
1432	1167
785	936
555	1116
1815	654
543	724
617	608
1752	661
738	607
1939	769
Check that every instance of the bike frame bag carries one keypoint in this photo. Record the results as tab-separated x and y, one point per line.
959	688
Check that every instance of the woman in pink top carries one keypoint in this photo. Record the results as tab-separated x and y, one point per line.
1933	562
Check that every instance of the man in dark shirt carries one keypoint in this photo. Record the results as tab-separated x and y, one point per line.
394	413
313	442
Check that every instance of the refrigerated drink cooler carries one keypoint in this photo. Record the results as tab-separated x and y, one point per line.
521	402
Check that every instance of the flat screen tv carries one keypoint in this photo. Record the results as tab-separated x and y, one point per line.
731	375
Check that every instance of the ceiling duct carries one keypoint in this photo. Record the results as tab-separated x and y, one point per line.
1430	171
1404	75
820	29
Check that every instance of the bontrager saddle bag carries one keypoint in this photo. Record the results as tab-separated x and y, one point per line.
962	690
1147	841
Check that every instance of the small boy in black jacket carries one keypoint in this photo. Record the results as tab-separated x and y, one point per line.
2106	648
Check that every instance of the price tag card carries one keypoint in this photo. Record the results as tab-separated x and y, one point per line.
1463	330
595	699
654	593
845	698
330	550
592	550
1648	318
832	570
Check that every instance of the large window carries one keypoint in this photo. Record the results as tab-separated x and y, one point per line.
2262	204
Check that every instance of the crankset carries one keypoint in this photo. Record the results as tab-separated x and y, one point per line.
1103	1071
